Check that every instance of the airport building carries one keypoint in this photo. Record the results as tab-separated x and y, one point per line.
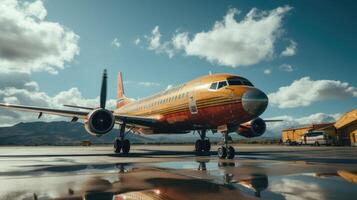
346	128
343	132
293	135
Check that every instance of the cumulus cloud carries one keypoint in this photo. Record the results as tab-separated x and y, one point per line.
274	129
169	87
137	41
267	71
288	187
115	43
290	50
305	91
148	84
30	43
27	92
286	68
156	45
229	42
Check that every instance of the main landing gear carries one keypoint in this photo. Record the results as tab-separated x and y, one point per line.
121	144
203	144
226	151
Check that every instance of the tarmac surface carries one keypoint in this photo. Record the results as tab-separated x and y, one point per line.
175	172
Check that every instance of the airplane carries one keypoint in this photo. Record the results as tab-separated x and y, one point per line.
223	103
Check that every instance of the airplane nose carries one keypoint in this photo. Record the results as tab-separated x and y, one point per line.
254	102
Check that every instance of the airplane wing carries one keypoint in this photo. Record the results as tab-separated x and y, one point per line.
64	113
273	120
80	107
136	120
127	119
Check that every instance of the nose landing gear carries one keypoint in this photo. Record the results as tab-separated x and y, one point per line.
226	151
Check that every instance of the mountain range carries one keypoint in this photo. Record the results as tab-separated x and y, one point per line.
73	133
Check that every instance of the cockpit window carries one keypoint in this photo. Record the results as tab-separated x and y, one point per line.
238	81
222	84
213	86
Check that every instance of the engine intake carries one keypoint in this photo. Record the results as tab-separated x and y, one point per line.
253	128
99	122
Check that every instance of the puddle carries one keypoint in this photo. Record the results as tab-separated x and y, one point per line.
198	179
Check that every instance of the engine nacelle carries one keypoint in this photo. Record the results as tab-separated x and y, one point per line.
99	122
253	128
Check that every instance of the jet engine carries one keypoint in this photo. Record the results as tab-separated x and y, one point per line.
253	128
99	122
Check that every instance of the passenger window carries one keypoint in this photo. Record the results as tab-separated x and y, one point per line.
213	86
222	84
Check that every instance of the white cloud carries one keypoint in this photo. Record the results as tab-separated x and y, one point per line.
239	43
18	88
137	41
267	71
156	45
286	68
169	87
29	43
275	128
304	92
180	40
148	84
295	189
290	50
115	43
229	42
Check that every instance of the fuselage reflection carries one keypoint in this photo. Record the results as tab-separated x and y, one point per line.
150	183
258	182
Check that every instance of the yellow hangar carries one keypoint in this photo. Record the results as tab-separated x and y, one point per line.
343	132
346	128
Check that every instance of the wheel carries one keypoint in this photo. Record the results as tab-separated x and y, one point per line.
199	145
117	145
126	146
317	143
206	145
222	152
230	152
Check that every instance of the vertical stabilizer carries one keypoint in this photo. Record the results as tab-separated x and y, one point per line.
120	87
122	100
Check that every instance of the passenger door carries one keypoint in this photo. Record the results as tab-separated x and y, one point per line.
192	103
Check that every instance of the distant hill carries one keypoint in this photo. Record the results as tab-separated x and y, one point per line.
69	133
56	133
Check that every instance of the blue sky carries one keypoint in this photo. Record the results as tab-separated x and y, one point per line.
321	33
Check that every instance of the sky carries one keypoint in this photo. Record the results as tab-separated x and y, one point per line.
301	53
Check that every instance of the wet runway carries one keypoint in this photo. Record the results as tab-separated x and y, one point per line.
175	172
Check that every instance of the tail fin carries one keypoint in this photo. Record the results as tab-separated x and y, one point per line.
122	100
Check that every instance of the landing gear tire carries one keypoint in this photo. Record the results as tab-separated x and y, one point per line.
206	145
118	145
222	152
126	146
317	143
202	145
199	145
230	152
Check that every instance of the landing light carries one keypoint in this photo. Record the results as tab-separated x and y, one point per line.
157	191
